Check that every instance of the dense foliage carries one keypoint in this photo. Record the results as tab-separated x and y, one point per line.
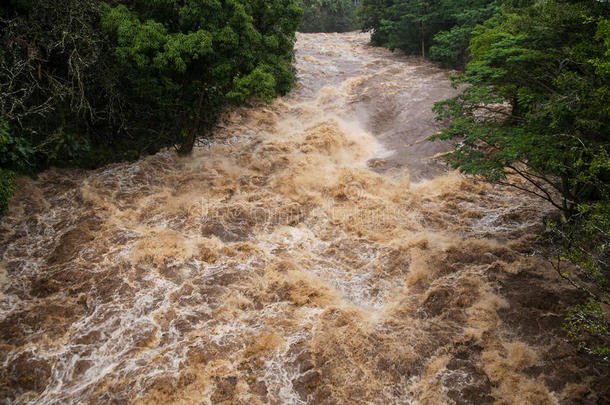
329	15
440	29
541	60
85	82
186	57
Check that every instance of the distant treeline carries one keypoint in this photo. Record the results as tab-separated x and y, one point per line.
329	15
439	29
86	82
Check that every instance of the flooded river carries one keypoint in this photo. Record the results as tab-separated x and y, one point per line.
315	250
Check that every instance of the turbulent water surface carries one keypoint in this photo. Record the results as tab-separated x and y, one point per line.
316	251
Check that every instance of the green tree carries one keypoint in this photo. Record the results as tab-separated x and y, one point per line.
7	177
451	46
370	14
186	58
55	82
417	22
7	187
404	24
552	139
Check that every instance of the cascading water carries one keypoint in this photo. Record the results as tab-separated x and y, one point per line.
316	251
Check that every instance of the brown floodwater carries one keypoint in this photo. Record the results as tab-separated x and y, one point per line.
314	250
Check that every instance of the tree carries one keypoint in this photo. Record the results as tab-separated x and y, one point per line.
370	15
404	24
55	80
552	141
187	57
450	47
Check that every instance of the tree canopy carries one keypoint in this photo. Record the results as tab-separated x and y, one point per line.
187	57
86	82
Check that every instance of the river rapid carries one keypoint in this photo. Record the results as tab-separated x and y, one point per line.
314	250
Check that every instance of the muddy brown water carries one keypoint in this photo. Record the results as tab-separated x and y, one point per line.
315	251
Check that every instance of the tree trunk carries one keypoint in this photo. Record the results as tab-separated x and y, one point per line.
423	42
568	203
189	142
516	110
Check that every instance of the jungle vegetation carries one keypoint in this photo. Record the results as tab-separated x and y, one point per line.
86	82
